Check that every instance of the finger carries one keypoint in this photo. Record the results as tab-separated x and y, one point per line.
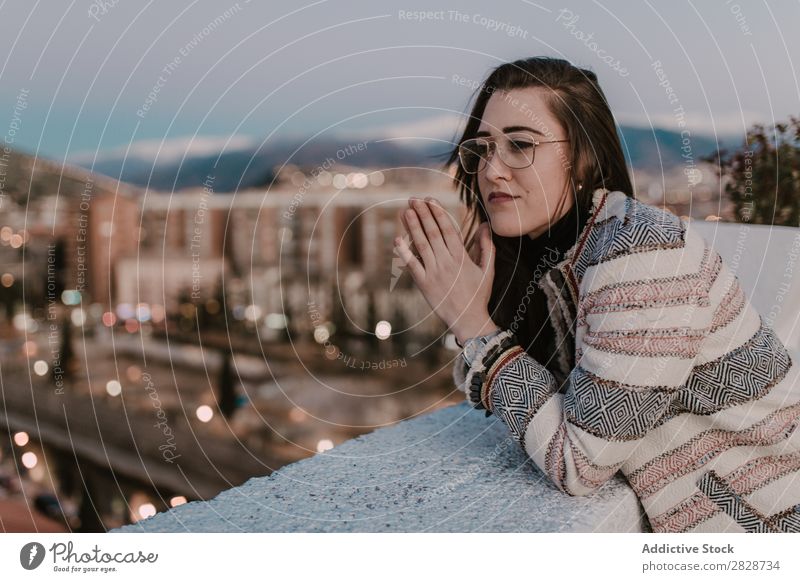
445	222
431	227
474	252
411	261
420	240
407	236
477	248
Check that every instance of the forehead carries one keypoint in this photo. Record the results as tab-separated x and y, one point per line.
519	108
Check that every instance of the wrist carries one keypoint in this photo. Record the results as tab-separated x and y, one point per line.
484	365
485	327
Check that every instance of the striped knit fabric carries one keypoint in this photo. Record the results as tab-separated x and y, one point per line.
674	380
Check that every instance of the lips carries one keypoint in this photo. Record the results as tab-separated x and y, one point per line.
501	197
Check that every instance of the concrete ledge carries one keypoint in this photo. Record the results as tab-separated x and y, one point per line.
453	470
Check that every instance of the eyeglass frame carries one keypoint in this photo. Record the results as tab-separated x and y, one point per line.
493	142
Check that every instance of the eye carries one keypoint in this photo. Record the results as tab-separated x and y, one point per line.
481	148
477	147
521	145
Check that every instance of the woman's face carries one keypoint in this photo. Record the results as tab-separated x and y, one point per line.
531	194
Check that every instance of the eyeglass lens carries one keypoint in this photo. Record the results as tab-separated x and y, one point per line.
515	151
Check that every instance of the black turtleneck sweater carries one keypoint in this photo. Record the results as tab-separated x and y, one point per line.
532	258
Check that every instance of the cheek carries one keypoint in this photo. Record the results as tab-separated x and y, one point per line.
530	181
553	170
529	211
483	185
544	181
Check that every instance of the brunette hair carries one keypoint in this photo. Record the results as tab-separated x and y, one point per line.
595	160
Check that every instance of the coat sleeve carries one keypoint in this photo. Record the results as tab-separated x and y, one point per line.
641	321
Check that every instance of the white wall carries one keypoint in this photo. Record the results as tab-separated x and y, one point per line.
766	259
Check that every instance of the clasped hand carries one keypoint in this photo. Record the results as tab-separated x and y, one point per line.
456	287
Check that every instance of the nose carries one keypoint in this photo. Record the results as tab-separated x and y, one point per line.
496	170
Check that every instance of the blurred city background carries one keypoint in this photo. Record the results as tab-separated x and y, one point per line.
189	303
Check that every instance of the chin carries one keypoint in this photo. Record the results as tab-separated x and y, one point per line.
507	228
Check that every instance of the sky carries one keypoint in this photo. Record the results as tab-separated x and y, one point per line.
85	79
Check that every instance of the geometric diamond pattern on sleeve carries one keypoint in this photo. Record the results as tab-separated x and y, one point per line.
611	410
744	374
519	390
721	493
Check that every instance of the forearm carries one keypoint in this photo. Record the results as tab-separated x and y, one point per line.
525	395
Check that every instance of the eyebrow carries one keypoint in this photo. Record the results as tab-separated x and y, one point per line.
510	129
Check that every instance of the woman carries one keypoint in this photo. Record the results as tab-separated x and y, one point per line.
632	347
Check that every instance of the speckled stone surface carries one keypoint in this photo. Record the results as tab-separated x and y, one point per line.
453	470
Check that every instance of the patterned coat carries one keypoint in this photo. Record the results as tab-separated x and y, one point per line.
665	372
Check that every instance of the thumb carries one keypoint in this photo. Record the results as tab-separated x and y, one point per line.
487	248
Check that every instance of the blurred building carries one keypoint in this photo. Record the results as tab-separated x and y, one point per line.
279	252
317	247
311	246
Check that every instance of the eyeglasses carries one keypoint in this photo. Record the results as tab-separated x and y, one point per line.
517	152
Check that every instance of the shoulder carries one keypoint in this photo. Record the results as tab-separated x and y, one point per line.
625	226
632	240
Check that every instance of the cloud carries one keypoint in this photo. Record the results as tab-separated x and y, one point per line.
169	150
443	127
722	125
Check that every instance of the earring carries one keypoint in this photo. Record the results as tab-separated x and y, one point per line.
580	186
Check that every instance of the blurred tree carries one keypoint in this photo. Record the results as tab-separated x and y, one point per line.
66	359
9	296
338	315
60	265
762	178
372	319
399	328
226	388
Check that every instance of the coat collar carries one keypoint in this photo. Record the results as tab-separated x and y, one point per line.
565	267
599	197
560	286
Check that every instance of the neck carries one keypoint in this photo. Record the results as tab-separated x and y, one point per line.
544	229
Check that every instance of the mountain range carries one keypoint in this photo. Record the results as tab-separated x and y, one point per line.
252	165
